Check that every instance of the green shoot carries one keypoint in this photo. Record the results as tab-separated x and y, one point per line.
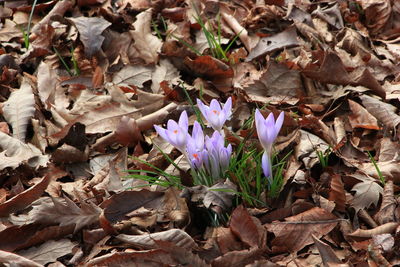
28	31
380	175
75	62
195	108
63	61
323	156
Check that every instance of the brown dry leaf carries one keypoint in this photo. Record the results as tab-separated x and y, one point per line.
226	240
175	208
209	67
182	256
46	83
239	258
133	75
145	258
285	39
48	252
9	31
219	197
19	109
12	259
59	9
387	210
368	192
296	231
337	193
90	30
16	152
386	228
117	207
25	198
148	241
326	252
377	14
146	43
247	228
27	235
361	118
276	85
64	212
307	148
384	112
164	71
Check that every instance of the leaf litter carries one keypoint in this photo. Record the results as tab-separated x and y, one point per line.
82	88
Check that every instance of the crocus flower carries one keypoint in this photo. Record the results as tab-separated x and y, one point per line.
268	129
195	146
216	156
266	166
176	133
214	114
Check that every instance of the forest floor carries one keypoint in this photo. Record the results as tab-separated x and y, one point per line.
82	84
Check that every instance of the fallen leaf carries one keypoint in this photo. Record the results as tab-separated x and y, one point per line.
133	75
19	109
25	198
326	252
146	43
368	192
384	112
16	152
176	236
296	231
48	252
387	210
90	30
14	259
386	228
247	228
361	118
285	39
64	212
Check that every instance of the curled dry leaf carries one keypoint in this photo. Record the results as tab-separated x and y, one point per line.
387	210
16	152
176	236
247	228
19	109
146	43
239	258
337	192
386	228
326	252
361	118
377	14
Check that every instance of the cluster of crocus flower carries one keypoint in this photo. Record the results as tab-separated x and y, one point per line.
205	154
209	155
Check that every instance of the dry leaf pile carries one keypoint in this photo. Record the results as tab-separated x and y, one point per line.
98	74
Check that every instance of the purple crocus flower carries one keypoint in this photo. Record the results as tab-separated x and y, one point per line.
176	133
216	156
195	146
214	114
268	129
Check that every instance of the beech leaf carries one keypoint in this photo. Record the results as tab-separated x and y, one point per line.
367	193
19	109
90	30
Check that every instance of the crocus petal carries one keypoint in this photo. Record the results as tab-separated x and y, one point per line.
161	132
228	108
184	121
279	122
198	136
203	108
266	165
215	106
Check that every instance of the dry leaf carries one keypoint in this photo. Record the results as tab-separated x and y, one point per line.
64	212
12	259
327	254
361	118
146	44
90	30
16	152
367	192
296	232
133	75
178	237
49	251
386	228
19	109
